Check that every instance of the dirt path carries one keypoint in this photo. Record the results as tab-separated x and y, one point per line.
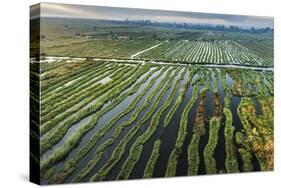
136	61
155	46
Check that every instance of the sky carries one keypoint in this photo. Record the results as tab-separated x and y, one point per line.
112	13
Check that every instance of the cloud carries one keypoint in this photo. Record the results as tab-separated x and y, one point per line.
48	9
113	13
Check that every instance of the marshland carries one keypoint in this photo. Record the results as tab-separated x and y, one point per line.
126	100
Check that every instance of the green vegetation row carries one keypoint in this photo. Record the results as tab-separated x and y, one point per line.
57	133
80	100
70	165
209	150
131	120
61	73
80	75
137	147
86	170
82	83
120	149
198	130
67	109
73	140
76	102
180	98
156	149
172	163
84	69
217	52
231	163
214	126
193	155
56	105
148	171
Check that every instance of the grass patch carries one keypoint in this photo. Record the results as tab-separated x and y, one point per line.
209	150
148	172
172	163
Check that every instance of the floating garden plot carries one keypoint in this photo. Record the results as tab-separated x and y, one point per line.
121	99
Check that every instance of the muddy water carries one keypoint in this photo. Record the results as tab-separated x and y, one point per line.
108	151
